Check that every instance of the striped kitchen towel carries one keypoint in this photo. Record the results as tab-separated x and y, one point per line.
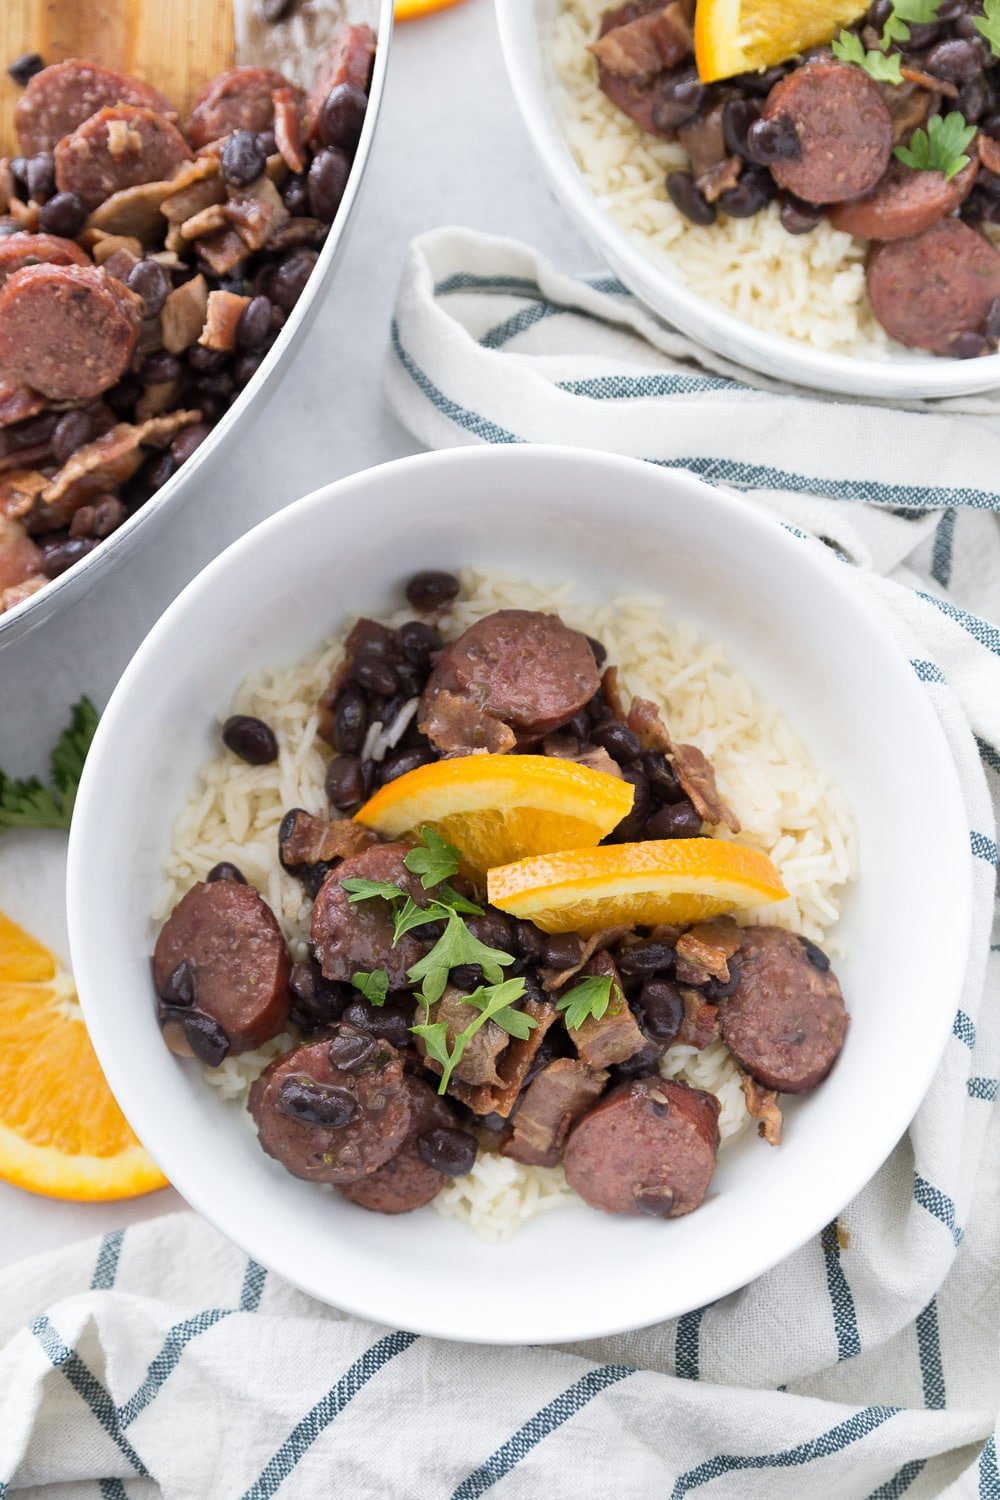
865	1367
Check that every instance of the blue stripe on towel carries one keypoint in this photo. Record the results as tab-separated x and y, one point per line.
687	1345
112	1489
465	281
470	421
845	1319
853	1430
639	387
983	1088
517	1447
983	847
900	1482
938	1205
965	1029
981	630
318	1419
169	1357
927	671
106	1268
253	1286
988	755
944	545
929	1354
88	1387
760	476
989	1476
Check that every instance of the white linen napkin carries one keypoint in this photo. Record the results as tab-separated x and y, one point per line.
866	1366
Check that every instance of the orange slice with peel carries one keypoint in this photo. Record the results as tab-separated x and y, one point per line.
746	36
410	10
634	885
499	808
61	1132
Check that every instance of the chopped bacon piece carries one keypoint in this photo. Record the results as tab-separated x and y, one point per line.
288	129
609	686
223	251
553	1102
18	402
989	152
257	213
645	720
595	757
326	707
458	726
183	315
222	319
18	592
477	1066
639	49
703	952
696	775
701	1020
763	1105
20	559
314	841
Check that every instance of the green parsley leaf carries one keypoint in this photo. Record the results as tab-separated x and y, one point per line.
30	804
457	945
918	12
988	25
494	1003
436	861
374	986
435	1035
410	915
848	49
590	997
367	890
941	147
448	896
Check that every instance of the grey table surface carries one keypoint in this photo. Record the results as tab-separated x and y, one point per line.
450	149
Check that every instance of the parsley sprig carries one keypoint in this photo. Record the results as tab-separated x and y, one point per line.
941	147
30	803
848	48
374	986
590	997
905	13
988	25
494	1003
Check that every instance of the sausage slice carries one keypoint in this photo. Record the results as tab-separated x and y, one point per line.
785	1022
335	1110
230	938
844	129
60	98
520	666
237	100
406	1181
348	59
904	203
357	935
928	290
67	331
649	1147
119	147
20	250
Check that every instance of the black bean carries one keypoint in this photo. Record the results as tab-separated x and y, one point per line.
640	1063
679	98
621	743
350	1052
662	777
815	955
773	140
737	117
109	513
681	821
598	709
386	1023
328	176
72	431
879	13
950	10
374	674
180	986
753	192
24	68
243	161
685	197
562	950
350	721
342	116
274	10
343	782
159	368
158	470
151	281
418	641
466	977
448	1150
295	195
922	34
964	25
187	440
646	958
721	989
60	553
956	60
968	345
797	216
655	1203
493	929
762	83
205	361
632	824
578	727
316	1103
206	1038
40	176
369	775
403	761
319	1001
529	942
251	739
431	589
224	870
254	324
247	365
290	277
974	99
599	649
662	1010
64	214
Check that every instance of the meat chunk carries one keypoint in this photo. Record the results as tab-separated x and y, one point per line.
928	291
553	1102
616	1036
639	49
238	100
348	59
239	965
118	148
20	559
334	1110
704	951
313	841
61	97
67	331
762	1105
520	666
844	130
785	1022
478	1063
18	402
19	250
696	775
352	936
513	1066
406	1181
458	726
648	1147
700	1026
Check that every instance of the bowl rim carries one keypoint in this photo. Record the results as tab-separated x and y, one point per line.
32	613
86	849
917	376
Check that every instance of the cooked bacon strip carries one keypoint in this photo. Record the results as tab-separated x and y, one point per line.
718	179
989	152
701	1020
595	757
640	49
645	720
703	952
288	129
929	82
222	319
257	212
612	693
763	1105
696	775
314	841
457	726
18	592
552	1104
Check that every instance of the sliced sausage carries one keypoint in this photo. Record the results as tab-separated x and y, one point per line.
844	129
649	1147
238	961
348	59
904	203
60	98
335	1110
237	100
785	1022
357	935
927	291
20	250
521	666
67	331
406	1181
119	147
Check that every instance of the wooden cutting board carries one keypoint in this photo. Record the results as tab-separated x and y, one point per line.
176	45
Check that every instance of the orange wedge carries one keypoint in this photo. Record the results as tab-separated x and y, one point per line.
498	808
409	10
745	36
634	885
61	1132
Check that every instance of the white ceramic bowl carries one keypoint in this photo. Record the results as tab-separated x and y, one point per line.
525	30
611	524
190	479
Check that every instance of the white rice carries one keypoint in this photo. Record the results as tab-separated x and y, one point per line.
809	287
789	808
